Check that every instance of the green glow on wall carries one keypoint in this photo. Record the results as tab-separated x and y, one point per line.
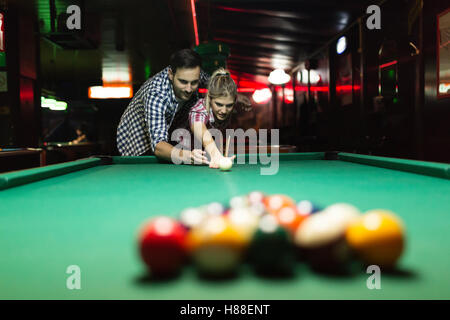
148	70
391	73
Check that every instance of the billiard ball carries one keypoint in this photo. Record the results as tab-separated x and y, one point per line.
243	220
215	208
255	197
275	202
271	249
258	209
321	242
342	211
377	237
162	246
306	207
216	247
239	202
289	218
225	164
191	217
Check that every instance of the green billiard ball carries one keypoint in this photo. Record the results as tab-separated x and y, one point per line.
271	250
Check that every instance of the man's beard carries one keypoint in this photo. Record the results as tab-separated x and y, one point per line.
179	94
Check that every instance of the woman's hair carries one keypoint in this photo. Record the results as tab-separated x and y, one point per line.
220	85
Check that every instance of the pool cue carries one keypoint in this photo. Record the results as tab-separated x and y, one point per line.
227	147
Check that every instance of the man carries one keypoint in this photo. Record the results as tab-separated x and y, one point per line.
145	123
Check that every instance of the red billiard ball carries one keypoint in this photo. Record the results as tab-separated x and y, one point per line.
162	245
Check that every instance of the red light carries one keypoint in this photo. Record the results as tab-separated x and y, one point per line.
2	32
194	19
319	89
250	90
347	88
288	96
233	9
388	64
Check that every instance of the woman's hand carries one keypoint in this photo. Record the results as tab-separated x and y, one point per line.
215	161
198	157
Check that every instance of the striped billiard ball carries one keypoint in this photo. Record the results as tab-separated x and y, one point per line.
321	241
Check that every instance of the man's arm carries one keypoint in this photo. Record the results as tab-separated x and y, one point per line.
166	151
154	113
170	153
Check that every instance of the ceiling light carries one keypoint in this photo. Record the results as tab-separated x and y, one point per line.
341	45
262	96
279	77
111	92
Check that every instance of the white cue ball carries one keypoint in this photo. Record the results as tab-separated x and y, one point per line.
225	164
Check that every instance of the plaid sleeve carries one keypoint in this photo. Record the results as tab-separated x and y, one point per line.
155	106
198	113
204	79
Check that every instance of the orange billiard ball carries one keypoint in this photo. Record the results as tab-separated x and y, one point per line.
377	237
276	202
289	218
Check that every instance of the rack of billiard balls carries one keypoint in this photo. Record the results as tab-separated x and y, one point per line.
271	233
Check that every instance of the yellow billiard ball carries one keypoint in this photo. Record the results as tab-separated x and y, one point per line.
377	237
216	246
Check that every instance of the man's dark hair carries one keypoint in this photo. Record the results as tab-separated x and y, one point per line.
185	58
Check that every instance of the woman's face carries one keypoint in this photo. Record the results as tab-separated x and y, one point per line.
222	107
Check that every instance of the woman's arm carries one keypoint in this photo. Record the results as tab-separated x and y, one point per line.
202	134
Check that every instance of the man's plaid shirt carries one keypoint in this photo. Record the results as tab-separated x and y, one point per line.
150	114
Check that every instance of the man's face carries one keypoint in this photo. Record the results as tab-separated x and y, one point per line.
185	82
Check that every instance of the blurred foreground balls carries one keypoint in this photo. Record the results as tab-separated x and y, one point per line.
377	237
276	202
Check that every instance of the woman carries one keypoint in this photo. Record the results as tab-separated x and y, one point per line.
214	112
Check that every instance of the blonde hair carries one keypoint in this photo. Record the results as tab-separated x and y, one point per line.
220	85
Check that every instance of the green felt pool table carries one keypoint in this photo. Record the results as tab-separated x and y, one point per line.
87	213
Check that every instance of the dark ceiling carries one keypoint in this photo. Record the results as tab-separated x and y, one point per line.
264	35
140	35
